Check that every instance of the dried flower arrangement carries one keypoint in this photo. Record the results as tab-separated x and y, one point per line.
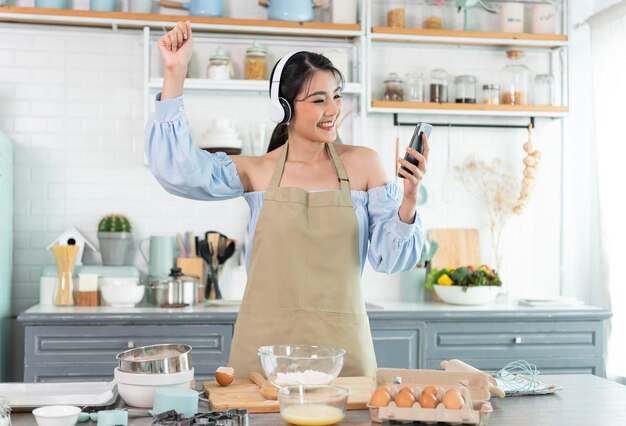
497	190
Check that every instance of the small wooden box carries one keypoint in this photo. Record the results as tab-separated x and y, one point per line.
193	266
87	298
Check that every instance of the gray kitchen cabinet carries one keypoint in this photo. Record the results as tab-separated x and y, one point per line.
556	346
72	344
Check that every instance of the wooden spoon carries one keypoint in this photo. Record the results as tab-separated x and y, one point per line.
268	390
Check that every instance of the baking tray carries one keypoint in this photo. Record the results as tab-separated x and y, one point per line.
27	396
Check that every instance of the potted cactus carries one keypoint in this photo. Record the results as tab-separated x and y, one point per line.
114	234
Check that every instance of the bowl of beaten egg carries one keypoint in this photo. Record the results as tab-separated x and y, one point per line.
313	405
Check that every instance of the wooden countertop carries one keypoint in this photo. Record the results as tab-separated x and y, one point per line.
584	400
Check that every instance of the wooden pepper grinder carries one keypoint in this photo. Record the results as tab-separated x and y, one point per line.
65	256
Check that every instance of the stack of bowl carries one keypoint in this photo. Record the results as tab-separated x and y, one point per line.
141	371
121	292
304	374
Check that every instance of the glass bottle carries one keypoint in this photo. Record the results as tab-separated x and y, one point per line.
219	67
415	88
434	15
393	88
515	79
465	89
491	94
256	63
543	90
438	86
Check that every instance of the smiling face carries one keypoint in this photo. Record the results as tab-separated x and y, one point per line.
316	109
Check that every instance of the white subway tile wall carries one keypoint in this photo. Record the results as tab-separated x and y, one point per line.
72	101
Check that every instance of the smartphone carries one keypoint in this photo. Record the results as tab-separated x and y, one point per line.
417	143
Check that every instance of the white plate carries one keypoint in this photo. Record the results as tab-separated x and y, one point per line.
27	396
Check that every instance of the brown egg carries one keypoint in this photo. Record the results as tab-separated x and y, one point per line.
431	389
453	400
224	376
428	400
380	398
407	389
404	399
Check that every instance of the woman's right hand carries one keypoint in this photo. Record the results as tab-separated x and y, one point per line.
176	46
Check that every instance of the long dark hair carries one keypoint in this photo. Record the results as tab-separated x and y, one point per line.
297	72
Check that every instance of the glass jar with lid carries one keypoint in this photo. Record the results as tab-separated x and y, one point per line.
438	86
220	67
491	94
543	90
515	79
256	63
434	14
393	88
415	88
465	89
396	14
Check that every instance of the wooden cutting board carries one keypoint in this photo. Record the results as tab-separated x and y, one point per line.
244	394
457	247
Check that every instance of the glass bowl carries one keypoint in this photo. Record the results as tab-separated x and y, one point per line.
313	405
291	365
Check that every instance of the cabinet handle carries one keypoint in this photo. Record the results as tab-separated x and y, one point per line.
130	344
517	339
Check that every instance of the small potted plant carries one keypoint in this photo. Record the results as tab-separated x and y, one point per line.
115	237
465	285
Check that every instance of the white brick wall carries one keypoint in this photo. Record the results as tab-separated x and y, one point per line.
72	101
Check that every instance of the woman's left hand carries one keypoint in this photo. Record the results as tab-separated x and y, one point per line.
412	181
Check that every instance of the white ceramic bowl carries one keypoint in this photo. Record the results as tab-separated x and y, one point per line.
455	295
56	415
137	389
122	296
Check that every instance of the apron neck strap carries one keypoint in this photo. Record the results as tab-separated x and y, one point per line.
342	176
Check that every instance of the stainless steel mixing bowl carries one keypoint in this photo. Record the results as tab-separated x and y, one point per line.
156	359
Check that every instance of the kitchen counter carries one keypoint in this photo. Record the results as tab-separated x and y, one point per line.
80	343
584	400
380	310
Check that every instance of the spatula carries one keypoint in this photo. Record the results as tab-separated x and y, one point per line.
268	390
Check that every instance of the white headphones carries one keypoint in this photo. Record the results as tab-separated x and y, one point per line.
279	109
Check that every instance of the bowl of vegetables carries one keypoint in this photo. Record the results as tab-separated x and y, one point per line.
465	285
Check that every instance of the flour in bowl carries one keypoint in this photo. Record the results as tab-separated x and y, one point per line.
308	377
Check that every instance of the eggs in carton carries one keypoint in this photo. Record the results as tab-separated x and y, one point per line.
430	396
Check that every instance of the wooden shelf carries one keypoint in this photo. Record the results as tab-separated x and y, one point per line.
138	20
430	108
236	85
418	35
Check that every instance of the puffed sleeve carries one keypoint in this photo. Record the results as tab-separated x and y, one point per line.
179	165
395	246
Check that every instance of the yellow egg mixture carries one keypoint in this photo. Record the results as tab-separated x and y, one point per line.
312	415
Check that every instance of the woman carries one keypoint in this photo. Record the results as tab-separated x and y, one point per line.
314	204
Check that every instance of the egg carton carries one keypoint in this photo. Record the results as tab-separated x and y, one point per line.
474	388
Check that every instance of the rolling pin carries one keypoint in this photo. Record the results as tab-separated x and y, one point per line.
460	366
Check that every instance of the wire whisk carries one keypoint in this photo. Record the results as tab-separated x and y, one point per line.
520	376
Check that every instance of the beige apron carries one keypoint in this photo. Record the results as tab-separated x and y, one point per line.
304	277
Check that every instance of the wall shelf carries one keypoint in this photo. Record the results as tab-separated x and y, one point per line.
419	35
453	109
116	20
236	85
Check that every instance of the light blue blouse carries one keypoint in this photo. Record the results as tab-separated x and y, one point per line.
184	169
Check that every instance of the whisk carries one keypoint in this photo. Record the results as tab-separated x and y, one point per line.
520	376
